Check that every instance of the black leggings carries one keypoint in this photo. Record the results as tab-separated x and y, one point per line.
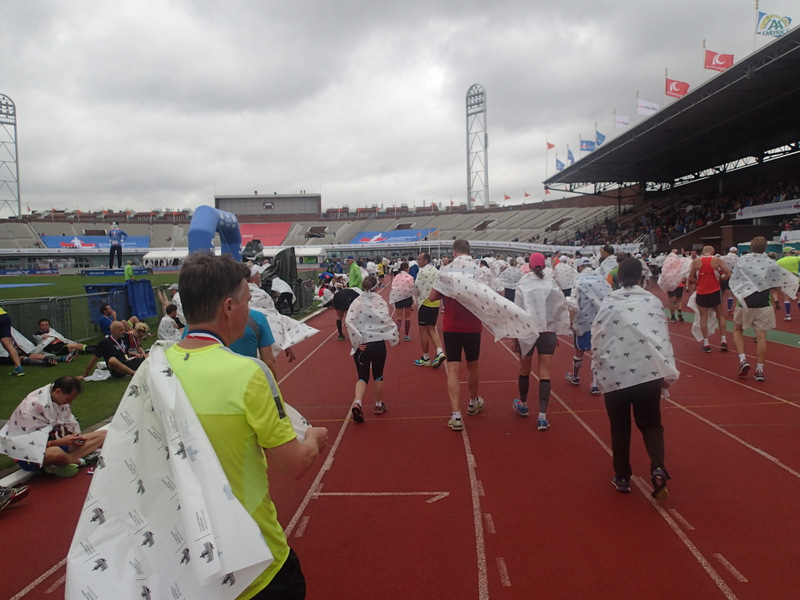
645	399
375	356
115	249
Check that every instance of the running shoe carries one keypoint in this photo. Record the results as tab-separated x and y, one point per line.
474	409
659	481
680	317
723	346
455	424
595	390
759	376
63	471
407	338
623	485
5	498
572	379
521	407
542	425
744	368
50	361
358	414
342	338
91	459
380	409
422	362
18	493
71	356
787	318
17	372
705	348
672	319
437	362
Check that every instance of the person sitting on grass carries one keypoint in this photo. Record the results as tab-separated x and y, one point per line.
43	434
47	337
115	350
108	315
168	328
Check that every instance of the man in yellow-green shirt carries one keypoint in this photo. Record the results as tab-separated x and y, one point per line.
240	407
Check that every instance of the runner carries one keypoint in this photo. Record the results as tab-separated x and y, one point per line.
707	270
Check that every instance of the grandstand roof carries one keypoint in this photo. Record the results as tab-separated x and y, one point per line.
747	110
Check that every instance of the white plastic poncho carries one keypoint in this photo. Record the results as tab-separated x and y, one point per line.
608	265
757	273
564	275
285	330
711	319
160	519
25	435
675	269
510	277
368	320
21	341
464	281
49	338
402	287
423	284
281	287
546	305
588	291
630	341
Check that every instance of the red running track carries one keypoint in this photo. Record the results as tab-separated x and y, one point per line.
401	506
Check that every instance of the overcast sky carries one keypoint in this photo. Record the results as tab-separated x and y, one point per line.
156	103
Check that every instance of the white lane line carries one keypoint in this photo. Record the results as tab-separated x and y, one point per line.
57	584
480	547
304	359
301	529
501	568
39	580
733	570
316	484
436	496
680	519
489	523
747	445
644	489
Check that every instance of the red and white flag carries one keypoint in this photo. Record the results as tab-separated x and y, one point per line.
718	62
675	88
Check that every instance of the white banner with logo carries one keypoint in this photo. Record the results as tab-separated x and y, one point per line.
787	207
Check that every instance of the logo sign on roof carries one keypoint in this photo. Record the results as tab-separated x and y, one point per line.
398	235
772	25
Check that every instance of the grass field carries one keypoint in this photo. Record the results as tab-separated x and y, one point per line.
99	399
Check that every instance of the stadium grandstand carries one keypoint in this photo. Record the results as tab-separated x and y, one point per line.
716	167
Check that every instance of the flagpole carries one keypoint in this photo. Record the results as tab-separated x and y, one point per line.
666	76
755	31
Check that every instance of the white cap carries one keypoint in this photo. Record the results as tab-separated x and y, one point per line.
583	262
733	249
562	258
255	270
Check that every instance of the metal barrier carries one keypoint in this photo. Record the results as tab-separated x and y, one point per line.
75	317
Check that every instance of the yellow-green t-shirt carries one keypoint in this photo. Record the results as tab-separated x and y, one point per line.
241	410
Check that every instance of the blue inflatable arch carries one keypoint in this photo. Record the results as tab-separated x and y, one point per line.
207	221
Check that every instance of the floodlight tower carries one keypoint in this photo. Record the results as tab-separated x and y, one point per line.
9	167
477	148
